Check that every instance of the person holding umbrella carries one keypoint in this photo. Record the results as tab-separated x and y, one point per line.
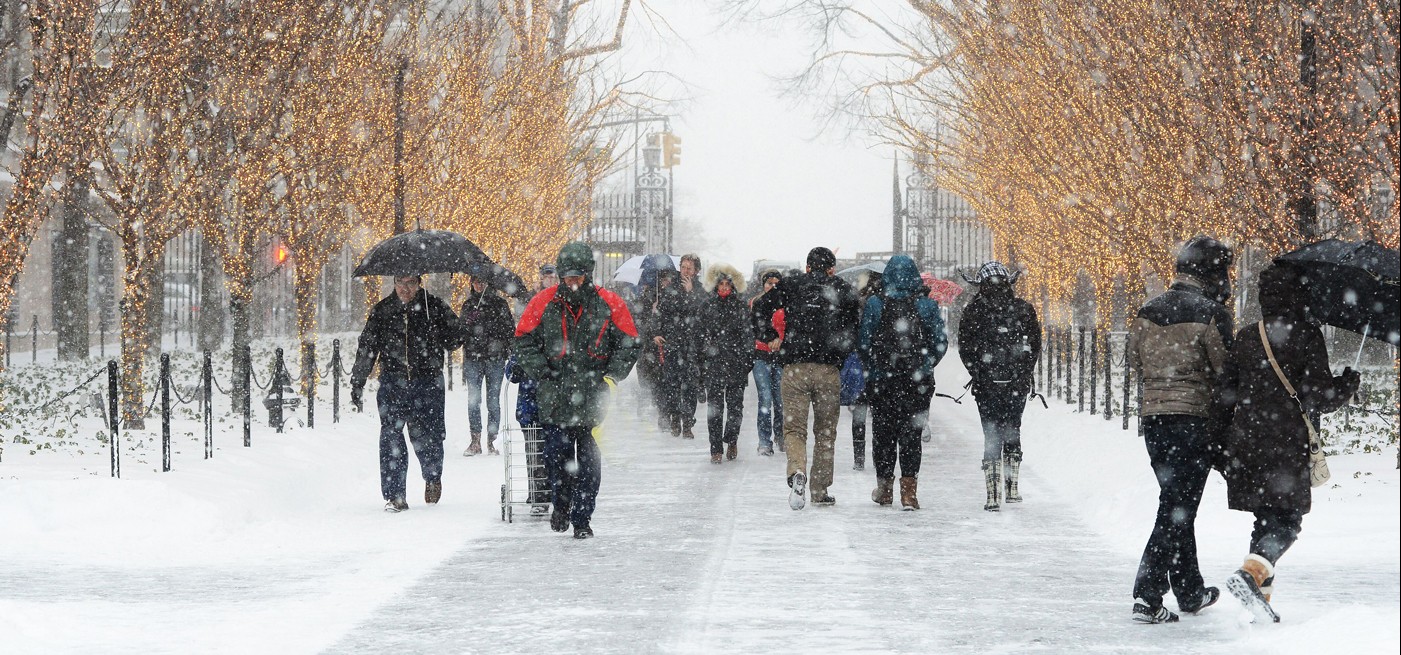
573	338
406	334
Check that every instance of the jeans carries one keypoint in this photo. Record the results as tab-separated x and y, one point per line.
859	413
819	386
1275	531
415	403
768	381
1177	449
724	411
473	373
897	424
576	489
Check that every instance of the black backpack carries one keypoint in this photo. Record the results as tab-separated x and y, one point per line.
899	347
1005	347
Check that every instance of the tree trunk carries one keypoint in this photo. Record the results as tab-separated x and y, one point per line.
154	279
240	307
211	306
134	346
70	273
304	278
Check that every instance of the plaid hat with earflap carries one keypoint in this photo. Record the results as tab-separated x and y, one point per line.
991	270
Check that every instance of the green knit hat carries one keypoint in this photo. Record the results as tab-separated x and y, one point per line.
575	258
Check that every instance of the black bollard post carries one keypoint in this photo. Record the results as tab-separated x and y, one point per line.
245	399
102	338
311	386
165	412
115	421
1128	377
336	381
34	340
275	414
1053	369
208	409
449	370
1080	373
1109	375
1094	379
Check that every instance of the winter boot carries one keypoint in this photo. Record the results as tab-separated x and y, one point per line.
884	493
766	451
1246	585
491	445
474	448
559	518
717	458
798	483
686	433
675	426
1146	613
994	484
908	488
583	531
1012	465
432	491
731	450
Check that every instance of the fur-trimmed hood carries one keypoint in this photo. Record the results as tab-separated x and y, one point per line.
717	271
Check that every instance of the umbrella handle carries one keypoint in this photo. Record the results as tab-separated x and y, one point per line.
1357	359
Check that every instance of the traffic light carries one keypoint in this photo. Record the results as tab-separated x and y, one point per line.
671	150
280	255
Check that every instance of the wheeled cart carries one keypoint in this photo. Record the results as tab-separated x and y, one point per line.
527	489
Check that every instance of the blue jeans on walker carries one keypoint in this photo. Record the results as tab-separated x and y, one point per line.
473	372
768	378
576	489
416	404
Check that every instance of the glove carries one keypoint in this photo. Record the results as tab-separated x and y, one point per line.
356	400
1351	381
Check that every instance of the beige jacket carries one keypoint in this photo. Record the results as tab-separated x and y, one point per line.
1178	343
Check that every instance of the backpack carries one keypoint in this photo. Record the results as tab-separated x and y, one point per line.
899	347
813	316
1005	346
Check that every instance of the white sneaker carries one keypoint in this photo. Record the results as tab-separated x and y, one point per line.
797	499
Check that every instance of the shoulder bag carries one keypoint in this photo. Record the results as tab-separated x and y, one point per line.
1318	463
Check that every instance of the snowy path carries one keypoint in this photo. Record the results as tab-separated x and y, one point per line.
696	557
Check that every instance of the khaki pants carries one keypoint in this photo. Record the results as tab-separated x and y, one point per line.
818	385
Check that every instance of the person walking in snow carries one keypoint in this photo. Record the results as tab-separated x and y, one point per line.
1178	344
674	333
902	339
821	313
854	385
572	338
725	345
999	340
1277	384
406	334
768	376
487	330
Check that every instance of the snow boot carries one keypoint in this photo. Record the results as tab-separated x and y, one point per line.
884	493
798	483
1203	600
908	488
1246	585
432	492
474	448
1011	466
1145	613
675	426
731	450
491	445
766	451
994	484
717	458
583	531
395	506
686	433
559	519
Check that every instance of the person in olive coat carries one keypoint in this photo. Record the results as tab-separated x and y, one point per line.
1267	445
725	345
573	338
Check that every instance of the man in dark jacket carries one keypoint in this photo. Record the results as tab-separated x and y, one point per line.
407	333
1179	343
725	348
1268	442
573	338
487	330
902	340
674	333
999	340
821	313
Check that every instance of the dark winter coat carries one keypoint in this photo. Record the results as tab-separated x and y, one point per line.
678	323
569	341
997	317
406	339
1178	343
821	314
1267	446
726	343
901	281
487	328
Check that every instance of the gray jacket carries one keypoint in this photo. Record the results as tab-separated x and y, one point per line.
1178	343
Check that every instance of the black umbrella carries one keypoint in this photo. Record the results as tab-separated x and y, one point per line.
1352	285
435	251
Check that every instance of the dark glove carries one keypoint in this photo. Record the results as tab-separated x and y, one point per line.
1351	381
356	399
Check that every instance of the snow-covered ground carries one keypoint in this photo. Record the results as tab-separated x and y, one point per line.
283	547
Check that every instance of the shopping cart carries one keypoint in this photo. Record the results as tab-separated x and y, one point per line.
527	488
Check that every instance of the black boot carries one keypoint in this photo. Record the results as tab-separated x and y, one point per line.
583	531
559	519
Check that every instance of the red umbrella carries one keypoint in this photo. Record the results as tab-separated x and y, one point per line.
944	291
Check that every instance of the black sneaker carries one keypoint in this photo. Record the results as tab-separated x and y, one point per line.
1144	613
395	506
823	499
583	531
559	519
1205	599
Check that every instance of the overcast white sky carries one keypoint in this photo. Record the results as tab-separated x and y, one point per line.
755	171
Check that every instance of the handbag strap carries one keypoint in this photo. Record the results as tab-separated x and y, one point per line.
1294	395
